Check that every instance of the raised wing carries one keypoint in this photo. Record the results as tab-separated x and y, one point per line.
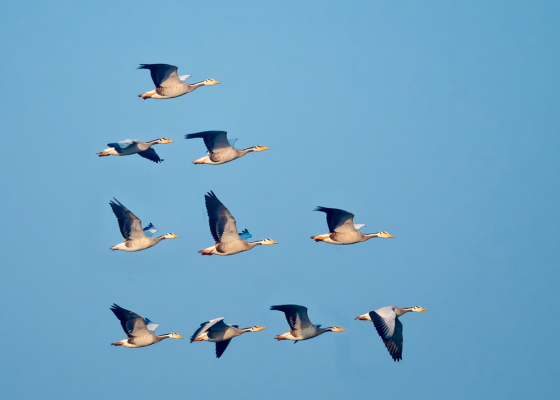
150	230
221	347
122	144
232	141
359	226
183	78
390	329
214	140
213	323
150	325
163	75
130	224
338	220
244	234
132	323
295	315
222	223
151	155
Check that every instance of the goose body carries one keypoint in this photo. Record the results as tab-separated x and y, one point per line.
139	331
168	83
227	241
134	146
342	229
389	327
220	150
220	333
301	327
130	225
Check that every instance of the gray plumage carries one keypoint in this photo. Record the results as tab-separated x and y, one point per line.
135	327
220	150
342	229
134	146
130	225
301	327
167	82
220	333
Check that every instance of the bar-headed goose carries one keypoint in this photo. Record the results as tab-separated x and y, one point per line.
301	327
389	327
135	238
342	229
139	331
168	83
219	332
227	240
135	146
220	150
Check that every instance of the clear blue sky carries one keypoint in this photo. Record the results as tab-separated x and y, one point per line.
435	121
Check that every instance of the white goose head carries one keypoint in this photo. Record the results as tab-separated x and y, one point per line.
170	236
210	82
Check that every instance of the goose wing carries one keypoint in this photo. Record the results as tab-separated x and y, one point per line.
216	325
130	224
338	220
244	234
295	315
150	230
222	223
221	347
132	323
163	75
214	140
150	325
151	155
390	329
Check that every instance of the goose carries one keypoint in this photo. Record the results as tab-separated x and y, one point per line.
342	229
135	238
139	331
219	332
168	83
220	150
389	327
135	146
227	240
301	327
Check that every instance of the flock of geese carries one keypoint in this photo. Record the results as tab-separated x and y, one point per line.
228	241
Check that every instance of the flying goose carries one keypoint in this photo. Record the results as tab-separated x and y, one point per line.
389	327
220	150
135	238
217	331
227	240
135	146
342	229
168	83
139	331
301	327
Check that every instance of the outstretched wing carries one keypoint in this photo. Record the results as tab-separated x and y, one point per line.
163	75
132	323
221	347
183	78
244	234
150	230
338	220
130	224
205	326
222	223
150	325
390	330
151	155
214	140
295	315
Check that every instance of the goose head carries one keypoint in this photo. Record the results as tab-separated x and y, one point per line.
267	241
175	336
384	235
336	329
259	148
170	236
163	141
416	309
256	328
210	82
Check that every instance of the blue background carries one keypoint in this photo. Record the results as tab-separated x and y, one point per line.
435	121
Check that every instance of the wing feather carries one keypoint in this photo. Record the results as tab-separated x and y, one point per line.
213	140
338	220
129	224
222	224
163	75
